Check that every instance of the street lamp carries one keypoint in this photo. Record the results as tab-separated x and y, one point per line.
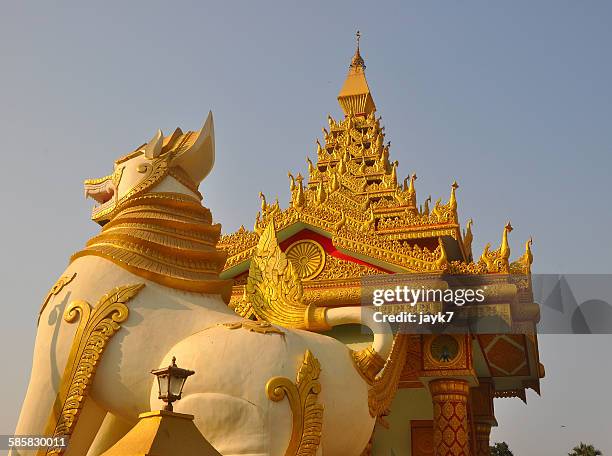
171	381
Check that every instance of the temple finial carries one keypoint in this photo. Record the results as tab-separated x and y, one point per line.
355	97
357	61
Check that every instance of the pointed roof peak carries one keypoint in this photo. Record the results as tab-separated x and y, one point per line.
357	61
355	96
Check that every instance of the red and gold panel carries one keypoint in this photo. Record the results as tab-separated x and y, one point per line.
421	435
506	354
327	245
414	364
451	424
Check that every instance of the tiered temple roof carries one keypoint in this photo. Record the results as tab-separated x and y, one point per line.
352	215
353	194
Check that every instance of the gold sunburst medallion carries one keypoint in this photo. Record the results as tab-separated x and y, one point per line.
307	257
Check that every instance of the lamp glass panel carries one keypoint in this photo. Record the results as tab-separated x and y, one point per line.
176	385
163	385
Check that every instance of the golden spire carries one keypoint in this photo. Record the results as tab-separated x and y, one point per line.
452	202
355	96
299	199
357	60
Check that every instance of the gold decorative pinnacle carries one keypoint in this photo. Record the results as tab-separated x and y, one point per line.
413	178
452	202
508	226
357	60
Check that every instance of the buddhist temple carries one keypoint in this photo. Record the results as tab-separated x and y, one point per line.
352	215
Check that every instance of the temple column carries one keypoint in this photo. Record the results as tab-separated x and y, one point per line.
481	399
483	432
450	417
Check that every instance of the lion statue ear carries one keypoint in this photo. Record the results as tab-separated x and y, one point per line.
197	161
154	147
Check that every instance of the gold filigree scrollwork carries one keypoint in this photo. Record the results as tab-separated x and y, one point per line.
55	290
382	392
96	327
303	400
260	327
274	291
368	363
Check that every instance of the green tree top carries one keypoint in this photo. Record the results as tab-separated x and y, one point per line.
584	450
501	449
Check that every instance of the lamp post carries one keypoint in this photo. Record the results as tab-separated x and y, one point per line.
171	381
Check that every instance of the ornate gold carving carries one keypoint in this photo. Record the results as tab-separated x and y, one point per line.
368	363
450	399
261	327
337	268
274	291
96	327
55	290
497	260
444	348
307	412
307	257
167	238
183	178
385	385
163	157
523	264
444	352
238	245
353	194
413	258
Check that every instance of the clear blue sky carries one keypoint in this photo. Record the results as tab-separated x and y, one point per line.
512	99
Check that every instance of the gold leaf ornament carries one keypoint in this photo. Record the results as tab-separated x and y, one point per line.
307	425
96	326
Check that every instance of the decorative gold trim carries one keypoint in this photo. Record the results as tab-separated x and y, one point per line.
54	291
307	412
167	238
183	178
384	388
274	291
496	261
368	363
449	389
96	327
307	257
461	360
261	327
